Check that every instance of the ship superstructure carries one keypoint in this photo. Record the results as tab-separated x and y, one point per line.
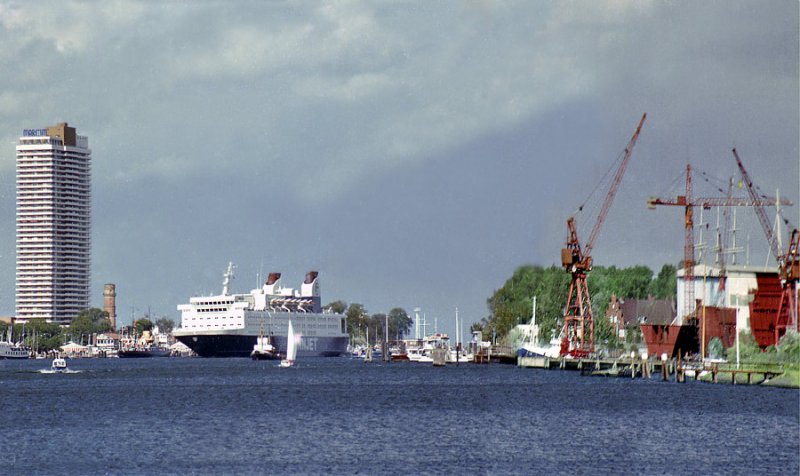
228	325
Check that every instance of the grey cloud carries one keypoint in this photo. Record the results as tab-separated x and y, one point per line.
415	152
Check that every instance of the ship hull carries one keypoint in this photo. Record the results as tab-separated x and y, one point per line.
9	351
670	339
239	345
145	353
766	323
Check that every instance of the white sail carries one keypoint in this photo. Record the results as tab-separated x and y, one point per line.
291	347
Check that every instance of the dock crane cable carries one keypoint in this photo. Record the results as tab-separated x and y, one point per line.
578	328
688	201
788	262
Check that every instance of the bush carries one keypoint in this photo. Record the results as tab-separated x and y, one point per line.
715	348
789	347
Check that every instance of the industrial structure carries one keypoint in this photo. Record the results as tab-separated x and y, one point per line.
110	303
786	315
688	202
53	242
578	331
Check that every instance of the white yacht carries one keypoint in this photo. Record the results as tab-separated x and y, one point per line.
9	350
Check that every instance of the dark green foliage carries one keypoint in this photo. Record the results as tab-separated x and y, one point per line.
399	325
88	322
511	304
789	347
165	325
41	336
665	284
715	348
143	324
336	306
357	319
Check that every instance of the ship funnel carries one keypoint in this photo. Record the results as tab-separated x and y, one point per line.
310	286
273	283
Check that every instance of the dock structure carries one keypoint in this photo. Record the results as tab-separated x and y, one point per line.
677	370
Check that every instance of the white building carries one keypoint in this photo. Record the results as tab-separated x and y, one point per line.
53	224
740	285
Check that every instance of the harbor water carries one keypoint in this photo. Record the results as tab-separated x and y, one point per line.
342	416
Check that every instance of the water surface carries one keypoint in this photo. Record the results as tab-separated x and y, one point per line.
237	416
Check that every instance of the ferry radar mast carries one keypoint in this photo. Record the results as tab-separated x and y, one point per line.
228	277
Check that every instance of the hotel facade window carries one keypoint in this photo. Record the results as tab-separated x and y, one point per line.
53	240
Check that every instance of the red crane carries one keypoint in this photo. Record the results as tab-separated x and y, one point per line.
578	332
788	263
689	202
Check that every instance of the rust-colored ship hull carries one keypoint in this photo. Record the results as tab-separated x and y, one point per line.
670	339
764	319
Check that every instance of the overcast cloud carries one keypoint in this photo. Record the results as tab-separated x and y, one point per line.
415	153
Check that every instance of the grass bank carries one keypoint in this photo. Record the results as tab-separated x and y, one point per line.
790	378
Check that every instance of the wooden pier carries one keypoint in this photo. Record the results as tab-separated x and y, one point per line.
672	369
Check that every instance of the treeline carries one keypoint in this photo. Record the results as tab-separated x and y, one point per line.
512	304
364	328
44	336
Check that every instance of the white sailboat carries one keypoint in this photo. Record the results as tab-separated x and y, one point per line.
291	348
532	348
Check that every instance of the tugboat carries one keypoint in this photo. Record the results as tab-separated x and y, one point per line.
264	350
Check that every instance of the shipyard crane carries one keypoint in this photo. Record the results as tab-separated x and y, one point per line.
689	202
788	262
578	331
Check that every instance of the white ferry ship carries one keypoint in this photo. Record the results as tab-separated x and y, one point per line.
228	325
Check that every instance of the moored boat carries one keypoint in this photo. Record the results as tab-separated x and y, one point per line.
14	351
143	351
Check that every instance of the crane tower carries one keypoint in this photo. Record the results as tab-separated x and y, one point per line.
578	331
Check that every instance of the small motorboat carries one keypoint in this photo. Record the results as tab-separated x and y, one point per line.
59	365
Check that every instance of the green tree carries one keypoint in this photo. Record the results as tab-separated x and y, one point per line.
88	322
399	323
336	306
377	325
165	325
43	336
512	303
143	324
357	319
664	286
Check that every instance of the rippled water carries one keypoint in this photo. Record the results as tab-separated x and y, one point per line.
237	416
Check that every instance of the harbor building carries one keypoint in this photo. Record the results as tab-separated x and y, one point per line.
53	242
740	288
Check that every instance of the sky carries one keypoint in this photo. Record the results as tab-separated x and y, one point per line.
414	153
